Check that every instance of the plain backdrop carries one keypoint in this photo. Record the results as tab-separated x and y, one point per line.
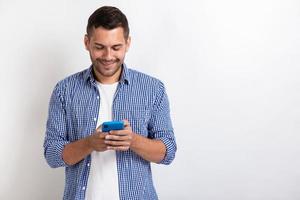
232	73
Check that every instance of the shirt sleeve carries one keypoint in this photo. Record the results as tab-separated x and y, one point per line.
56	130
160	125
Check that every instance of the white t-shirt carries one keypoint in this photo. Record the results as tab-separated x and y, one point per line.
103	177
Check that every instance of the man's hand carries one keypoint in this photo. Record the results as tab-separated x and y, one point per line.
75	151
96	141
120	140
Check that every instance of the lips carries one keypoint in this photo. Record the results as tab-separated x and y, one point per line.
107	63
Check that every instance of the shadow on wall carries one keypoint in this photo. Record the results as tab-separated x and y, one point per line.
46	65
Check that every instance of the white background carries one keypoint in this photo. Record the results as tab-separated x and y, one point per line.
232	72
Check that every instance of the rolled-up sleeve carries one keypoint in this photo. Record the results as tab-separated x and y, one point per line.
56	138
160	125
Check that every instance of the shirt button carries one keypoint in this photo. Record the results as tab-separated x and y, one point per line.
95	119
97	97
83	188
88	164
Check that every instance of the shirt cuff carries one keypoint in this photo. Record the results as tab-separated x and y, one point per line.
170	150
54	152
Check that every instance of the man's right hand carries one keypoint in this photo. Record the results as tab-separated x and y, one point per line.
75	151
96	141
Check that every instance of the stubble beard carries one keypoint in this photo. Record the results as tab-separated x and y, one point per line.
100	67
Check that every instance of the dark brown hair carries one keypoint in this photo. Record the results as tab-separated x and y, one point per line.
109	18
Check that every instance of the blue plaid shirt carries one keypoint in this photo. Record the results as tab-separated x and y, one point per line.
73	115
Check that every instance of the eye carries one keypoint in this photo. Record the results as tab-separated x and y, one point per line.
116	48
98	47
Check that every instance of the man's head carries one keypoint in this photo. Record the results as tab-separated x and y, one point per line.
109	18
107	41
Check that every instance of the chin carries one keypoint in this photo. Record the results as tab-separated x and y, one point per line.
108	72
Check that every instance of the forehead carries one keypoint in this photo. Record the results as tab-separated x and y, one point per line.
105	36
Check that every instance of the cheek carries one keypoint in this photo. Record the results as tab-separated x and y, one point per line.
96	54
120	54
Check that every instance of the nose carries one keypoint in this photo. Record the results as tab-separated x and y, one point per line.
107	54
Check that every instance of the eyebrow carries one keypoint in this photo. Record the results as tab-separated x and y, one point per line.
116	45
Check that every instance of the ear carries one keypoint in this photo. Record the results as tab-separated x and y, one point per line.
128	43
86	42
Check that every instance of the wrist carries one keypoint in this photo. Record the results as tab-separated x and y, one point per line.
88	144
134	141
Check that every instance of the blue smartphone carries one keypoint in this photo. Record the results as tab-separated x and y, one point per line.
112	125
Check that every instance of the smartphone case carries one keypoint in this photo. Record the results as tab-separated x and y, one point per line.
112	125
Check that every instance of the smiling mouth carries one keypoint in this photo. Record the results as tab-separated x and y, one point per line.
107	63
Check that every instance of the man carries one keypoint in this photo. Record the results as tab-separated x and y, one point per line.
113	165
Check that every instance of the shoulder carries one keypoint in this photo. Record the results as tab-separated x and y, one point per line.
74	78
71	82
148	87
141	78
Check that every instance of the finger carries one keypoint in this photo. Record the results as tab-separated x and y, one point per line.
113	137
119	148
116	143
126	122
98	136
119	132
99	128
118	138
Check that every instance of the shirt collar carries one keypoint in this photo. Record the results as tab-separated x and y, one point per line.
125	76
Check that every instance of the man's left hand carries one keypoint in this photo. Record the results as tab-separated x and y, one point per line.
120	140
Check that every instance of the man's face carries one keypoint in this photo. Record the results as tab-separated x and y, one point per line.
107	50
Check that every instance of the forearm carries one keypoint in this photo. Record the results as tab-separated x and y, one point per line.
76	151
149	149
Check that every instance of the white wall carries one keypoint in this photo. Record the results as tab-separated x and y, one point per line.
232	73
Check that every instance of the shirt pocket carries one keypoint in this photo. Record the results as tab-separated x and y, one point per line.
138	119
82	116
